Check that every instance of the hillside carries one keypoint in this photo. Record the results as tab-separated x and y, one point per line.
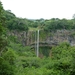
20	38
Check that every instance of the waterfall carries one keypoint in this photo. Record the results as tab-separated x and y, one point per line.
38	43
35	42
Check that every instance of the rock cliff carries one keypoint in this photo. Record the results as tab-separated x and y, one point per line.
54	37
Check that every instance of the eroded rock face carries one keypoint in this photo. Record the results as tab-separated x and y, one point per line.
62	36
54	38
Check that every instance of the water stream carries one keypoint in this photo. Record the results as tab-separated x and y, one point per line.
37	43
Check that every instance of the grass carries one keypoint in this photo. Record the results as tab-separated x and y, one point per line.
33	29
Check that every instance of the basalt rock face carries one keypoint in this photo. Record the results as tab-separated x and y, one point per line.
25	38
62	36
52	38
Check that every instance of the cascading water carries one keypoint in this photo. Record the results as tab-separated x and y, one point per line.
38	43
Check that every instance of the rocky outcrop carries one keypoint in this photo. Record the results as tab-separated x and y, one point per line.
54	37
62	36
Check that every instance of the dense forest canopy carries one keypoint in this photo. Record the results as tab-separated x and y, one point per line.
23	24
15	23
16	59
2	30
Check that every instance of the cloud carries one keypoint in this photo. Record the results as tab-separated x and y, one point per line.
47	9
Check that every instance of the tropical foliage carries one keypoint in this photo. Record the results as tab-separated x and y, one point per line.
16	59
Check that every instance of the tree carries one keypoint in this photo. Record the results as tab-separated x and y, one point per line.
5	67
2	29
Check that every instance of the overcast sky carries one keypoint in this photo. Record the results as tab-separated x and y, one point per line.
36	9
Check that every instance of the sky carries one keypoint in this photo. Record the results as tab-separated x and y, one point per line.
36	9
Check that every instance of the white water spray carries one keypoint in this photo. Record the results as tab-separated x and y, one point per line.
38	43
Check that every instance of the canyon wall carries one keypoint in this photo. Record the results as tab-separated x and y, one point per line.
54	37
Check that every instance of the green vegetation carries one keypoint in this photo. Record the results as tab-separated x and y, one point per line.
5	65
23	24
61	62
16	59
